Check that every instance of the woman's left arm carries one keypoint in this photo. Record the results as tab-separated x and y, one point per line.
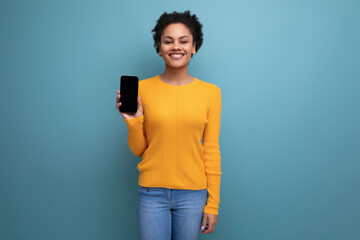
212	155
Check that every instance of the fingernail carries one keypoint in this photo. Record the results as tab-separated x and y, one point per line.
202	227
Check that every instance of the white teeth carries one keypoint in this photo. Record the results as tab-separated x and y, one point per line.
176	55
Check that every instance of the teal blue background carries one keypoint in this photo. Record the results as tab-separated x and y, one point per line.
289	72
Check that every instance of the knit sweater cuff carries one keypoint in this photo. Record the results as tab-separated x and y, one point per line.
134	122
211	210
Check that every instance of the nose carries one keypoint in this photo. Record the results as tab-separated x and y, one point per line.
176	45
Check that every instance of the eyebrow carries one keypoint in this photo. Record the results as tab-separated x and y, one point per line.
179	37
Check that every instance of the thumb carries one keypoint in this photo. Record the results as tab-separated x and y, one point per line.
203	225
139	102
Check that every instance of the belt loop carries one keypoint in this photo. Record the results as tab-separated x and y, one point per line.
147	189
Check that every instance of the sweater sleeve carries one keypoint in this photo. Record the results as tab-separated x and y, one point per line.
212	156
136	135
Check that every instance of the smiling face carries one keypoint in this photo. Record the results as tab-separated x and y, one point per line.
176	45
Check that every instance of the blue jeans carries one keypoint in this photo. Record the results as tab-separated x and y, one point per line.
165	214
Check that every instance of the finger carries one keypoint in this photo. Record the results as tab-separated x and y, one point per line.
211	227
118	106
208	229
139	106
204	220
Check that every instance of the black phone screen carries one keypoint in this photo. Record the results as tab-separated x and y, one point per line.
129	86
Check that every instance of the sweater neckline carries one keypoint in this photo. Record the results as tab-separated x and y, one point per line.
181	86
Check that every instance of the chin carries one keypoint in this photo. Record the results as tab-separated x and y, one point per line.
176	66
180	65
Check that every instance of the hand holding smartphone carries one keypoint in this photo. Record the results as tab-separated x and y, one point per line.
128	103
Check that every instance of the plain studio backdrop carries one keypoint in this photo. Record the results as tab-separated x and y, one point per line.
289	72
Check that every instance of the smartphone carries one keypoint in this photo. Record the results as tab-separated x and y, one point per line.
129	86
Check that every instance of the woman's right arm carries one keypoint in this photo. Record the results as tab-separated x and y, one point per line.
135	123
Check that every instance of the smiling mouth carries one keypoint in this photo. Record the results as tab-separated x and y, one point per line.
176	55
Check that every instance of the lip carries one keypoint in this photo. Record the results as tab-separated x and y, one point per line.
177	53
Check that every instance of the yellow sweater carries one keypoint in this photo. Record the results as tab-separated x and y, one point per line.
168	137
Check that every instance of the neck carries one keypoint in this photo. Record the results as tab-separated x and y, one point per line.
176	76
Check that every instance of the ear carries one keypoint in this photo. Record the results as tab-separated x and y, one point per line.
194	48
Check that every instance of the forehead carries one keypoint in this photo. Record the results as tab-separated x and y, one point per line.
176	30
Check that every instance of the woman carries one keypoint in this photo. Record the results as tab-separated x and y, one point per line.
179	181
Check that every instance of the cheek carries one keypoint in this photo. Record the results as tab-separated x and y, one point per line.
190	48
163	49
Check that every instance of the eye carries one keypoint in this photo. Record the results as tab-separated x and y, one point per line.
167	42
184	42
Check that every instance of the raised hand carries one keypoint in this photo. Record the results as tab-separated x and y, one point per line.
138	113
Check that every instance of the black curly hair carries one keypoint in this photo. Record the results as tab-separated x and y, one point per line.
191	21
